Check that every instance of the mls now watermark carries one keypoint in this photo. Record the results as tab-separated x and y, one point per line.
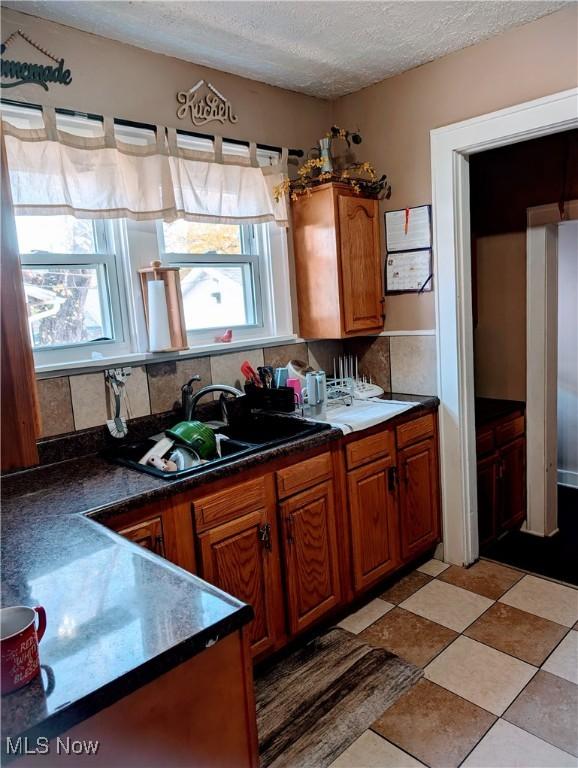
22	745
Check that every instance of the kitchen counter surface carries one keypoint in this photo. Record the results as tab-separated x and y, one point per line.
489	409
118	616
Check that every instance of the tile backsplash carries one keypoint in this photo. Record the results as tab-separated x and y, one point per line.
71	403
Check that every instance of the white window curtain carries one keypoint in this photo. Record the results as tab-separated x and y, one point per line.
54	172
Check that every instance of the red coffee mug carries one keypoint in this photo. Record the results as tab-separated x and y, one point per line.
19	640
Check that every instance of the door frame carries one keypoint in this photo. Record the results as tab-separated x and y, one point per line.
450	149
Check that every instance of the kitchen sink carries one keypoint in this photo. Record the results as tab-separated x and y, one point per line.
251	434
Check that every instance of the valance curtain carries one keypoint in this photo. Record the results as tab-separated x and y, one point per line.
53	171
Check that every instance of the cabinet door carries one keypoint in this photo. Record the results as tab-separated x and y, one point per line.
360	264
374	521
487	497
311	558
419	498
236	557
147	534
512	506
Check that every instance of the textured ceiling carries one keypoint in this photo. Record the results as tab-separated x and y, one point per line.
325	49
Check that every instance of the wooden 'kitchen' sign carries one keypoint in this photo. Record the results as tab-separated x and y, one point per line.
204	105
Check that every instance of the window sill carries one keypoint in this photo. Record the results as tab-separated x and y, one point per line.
101	364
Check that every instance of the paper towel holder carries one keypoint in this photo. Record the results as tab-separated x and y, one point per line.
176	314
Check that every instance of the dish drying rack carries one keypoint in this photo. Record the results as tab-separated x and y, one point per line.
346	384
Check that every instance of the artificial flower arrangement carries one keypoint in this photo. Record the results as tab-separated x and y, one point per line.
321	168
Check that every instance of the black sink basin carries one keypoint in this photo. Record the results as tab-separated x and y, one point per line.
252	434
265	429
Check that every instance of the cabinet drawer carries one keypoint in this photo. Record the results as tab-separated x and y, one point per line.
303	475
369	449
415	430
509	430
485	441
230	503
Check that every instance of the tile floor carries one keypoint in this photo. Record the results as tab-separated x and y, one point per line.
499	650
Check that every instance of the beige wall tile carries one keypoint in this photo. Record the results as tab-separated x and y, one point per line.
226	369
413	365
55	406
323	353
373	358
88	400
166	379
278	357
135	401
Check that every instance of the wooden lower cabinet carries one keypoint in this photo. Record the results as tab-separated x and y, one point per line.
501	471
418	497
311	555
374	521
147	534
488	470
238	557
512	506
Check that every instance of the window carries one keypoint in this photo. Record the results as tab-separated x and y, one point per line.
70	283
81	277
221	267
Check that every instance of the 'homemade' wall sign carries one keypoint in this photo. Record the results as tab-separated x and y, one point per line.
23	72
203	105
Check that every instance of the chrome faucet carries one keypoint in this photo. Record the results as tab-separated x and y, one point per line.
190	398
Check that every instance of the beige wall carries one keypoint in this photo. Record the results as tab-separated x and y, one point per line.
500	334
121	80
396	115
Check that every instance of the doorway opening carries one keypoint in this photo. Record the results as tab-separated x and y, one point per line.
525	318
451	150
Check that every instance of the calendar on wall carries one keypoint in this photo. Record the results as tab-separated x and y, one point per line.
408	265
408	271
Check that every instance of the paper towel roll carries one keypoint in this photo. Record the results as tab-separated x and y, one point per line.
158	315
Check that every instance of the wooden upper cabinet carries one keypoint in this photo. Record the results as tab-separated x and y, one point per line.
360	264
311	555
373	509
419	497
338	263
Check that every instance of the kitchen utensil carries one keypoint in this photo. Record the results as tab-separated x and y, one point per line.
158	450
250	374
19	640
281	376
266	376
116	379
316	388
196	435
296	369
295	385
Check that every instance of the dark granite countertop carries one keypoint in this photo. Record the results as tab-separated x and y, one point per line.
118	616
488	409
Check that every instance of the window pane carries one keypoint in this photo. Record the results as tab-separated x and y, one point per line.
66	305
217	296
192	237
55	234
